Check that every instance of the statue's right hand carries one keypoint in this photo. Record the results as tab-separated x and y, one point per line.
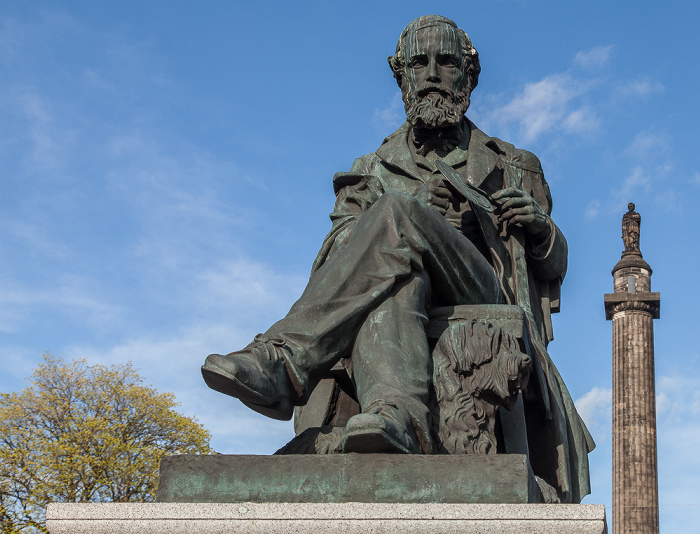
436	194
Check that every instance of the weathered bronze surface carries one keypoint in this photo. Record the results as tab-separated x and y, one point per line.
439	216
504	478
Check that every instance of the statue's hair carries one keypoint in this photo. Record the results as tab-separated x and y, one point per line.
470	57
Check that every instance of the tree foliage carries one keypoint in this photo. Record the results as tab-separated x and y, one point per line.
85	433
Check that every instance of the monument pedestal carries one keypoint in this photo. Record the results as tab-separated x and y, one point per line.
377	493
342	478
312	518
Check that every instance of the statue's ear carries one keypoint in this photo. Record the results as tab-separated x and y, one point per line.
396	69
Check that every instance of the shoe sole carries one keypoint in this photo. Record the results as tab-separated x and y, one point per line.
375	441
227	384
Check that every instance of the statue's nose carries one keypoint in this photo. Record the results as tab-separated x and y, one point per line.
433	75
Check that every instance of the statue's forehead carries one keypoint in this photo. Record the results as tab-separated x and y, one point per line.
440	36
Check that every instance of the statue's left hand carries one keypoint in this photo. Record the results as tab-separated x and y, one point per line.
517	207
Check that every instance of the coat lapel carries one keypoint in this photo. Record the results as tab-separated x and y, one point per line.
477	151
394	151
482	157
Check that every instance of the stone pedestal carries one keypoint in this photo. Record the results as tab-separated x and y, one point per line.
340	478
312	518
349	493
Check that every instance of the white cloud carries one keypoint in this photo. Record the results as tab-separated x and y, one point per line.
649	150
671	200
252	284
547	106
678	432
18	362
639	89
390	117
581	121
594	58
642	181
18	36
592	210
695	179
648	146
681	397
637	181
595	408
8	39
36	236
70	297
49	142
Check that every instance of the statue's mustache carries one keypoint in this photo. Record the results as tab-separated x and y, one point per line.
434	88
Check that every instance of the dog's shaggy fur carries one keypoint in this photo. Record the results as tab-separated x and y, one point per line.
477	368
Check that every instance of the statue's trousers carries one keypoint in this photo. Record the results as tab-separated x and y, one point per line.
369	300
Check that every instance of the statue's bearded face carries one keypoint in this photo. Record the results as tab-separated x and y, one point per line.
435	89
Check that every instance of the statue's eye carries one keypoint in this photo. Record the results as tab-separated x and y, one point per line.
448	61
418	61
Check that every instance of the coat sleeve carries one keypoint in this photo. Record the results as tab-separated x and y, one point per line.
547	259
355	192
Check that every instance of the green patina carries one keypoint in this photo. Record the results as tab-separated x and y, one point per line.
348	478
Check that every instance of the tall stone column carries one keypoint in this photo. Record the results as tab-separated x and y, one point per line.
632	308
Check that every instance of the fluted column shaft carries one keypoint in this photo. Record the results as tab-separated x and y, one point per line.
635	487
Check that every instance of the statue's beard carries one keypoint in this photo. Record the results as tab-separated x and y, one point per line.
436	108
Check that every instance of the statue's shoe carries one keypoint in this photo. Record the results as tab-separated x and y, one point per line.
253	376
373	433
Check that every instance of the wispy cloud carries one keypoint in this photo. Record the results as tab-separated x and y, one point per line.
678	430
638	180
649	154
581	121
595	408
68	296
639	89
679	396
547	106
670	200
36	236
49	142
592	209
8	39
390	117
648	146
230	283
593	58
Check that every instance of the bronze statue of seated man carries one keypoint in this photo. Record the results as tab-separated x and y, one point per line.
440	215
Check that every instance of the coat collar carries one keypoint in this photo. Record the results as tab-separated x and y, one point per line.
477	150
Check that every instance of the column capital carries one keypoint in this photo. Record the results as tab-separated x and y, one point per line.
642	301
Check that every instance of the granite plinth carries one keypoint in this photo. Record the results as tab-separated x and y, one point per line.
311	518
373	478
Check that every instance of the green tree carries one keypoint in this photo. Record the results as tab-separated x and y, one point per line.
85	433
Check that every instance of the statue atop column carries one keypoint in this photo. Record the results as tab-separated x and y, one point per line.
631	222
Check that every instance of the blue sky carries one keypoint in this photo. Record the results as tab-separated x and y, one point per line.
166	181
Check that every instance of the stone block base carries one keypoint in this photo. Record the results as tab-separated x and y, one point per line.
341	478
312	518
